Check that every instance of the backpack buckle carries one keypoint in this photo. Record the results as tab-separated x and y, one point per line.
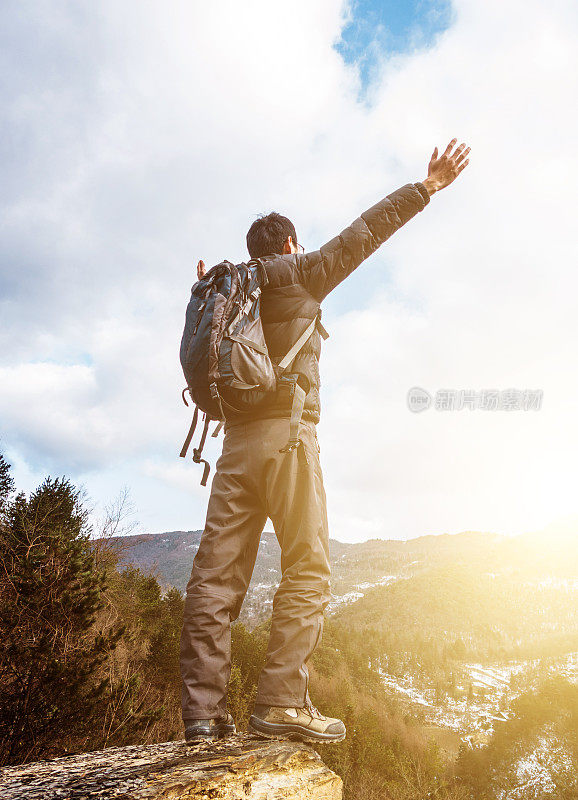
291	445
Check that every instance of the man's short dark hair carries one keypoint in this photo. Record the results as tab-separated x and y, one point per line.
268	234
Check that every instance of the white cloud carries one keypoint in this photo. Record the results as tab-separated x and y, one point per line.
146	135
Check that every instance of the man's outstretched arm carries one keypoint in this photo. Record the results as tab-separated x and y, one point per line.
322	270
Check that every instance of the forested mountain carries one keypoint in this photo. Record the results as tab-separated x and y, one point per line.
470	639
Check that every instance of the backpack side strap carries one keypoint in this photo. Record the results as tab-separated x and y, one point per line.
198	450
185	446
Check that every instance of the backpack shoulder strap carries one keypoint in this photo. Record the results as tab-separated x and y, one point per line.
261	271
298	393
300	343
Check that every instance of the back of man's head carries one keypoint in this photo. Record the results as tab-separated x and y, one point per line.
268	234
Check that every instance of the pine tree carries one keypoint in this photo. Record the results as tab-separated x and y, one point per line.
6	484
50	591
163	655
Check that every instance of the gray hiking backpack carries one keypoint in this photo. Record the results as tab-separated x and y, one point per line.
224	355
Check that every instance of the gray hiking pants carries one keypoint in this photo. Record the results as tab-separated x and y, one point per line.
254	481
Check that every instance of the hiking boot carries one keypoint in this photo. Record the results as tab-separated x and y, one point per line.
196	730
305	723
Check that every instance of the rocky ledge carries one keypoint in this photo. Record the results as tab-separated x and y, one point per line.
241	766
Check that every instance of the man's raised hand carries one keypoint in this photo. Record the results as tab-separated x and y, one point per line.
201	269
445	169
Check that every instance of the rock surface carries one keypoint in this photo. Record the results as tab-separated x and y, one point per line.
241	766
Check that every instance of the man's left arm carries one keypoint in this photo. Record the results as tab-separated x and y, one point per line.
322	270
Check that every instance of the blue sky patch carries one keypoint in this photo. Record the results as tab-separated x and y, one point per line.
378	28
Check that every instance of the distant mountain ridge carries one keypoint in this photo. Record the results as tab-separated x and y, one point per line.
359	567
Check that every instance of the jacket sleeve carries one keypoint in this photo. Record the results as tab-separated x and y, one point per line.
322	270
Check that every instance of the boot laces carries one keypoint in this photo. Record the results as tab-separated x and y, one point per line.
313	710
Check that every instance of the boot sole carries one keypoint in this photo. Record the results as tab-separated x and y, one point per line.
271	730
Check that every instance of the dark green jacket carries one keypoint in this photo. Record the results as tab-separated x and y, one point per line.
299	282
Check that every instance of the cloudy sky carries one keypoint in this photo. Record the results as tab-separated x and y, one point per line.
140	136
